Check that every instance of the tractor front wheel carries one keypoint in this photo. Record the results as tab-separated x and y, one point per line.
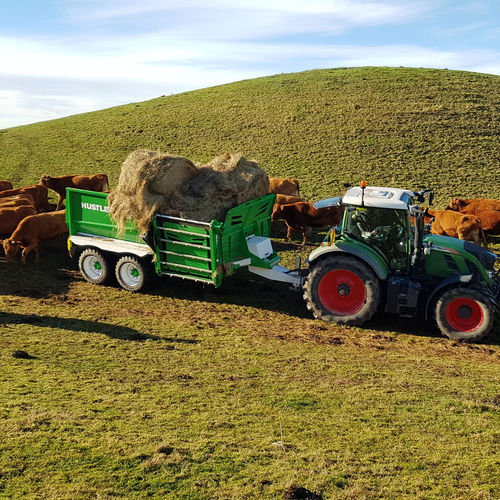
341	289
464	314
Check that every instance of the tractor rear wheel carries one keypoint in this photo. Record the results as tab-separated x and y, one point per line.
464	314
94	266
341	289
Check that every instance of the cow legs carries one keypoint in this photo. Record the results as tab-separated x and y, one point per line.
60	201
32	246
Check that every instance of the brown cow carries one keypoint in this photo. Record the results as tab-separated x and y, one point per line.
97	182
303	215
17	200
473	204
10	217
32	231
463	226
283	199
40	195
279	185
490	220
5	185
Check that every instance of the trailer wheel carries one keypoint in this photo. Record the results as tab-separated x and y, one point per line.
131	273
94	266
464	314
342	289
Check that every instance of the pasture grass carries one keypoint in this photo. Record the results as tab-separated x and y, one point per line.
189	392
404	127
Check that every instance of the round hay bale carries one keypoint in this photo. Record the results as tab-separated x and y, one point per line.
147	179
225	182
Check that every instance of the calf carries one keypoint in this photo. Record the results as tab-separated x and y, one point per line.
303	215
40	195
473	204
462	226
10	217
97	182
17	200
32	231
279	185
5	185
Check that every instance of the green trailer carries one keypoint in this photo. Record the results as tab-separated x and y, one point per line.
206	252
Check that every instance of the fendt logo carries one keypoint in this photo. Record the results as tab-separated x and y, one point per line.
95	207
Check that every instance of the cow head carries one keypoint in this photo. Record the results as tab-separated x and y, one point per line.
456	204
44	180
11	248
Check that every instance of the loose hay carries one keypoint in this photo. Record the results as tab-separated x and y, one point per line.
173	185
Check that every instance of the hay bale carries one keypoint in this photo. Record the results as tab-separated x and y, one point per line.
173	185
227	181
147	180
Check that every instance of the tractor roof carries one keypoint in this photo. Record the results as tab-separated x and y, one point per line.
379	197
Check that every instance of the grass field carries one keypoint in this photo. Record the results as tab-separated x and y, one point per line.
195	393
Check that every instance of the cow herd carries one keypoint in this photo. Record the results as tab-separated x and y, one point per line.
27	218
469	219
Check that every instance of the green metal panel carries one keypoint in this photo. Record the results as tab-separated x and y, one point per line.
247	219
87	213
189	249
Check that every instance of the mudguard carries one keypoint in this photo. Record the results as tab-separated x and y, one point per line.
359	250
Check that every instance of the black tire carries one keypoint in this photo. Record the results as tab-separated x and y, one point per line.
94	266
464	314
341	289
131	273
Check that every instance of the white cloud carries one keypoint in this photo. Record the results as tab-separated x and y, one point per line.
245	19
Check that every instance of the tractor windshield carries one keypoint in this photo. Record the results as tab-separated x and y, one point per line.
386	229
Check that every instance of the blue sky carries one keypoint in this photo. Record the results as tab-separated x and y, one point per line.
61	57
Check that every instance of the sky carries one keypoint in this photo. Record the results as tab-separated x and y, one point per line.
63	57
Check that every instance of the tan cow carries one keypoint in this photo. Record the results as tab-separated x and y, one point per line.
97	182
32	231
279	185
40	195
450	223
473	205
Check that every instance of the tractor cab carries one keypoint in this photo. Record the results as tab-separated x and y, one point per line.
379	217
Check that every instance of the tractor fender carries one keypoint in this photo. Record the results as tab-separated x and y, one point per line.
451	280
366	254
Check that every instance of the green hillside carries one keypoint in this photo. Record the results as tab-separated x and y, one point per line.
398	126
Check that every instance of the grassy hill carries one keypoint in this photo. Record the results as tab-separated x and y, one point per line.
398	126
186	392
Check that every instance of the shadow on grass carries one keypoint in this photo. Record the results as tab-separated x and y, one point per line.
52	275
81	325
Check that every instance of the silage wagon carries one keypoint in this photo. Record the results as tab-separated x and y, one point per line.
206	252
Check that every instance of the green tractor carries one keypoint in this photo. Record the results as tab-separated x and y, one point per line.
378	259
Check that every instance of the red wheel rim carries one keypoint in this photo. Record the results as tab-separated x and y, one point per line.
464	314
342	292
